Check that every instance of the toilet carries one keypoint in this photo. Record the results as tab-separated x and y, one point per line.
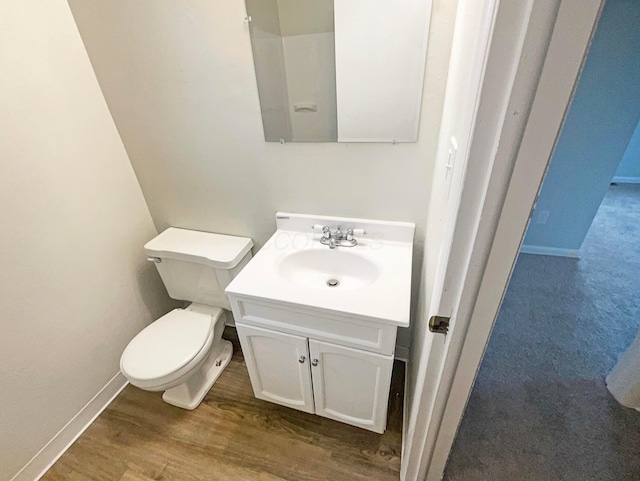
183	352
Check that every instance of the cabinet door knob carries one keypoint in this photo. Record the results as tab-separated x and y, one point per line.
314	362
302	359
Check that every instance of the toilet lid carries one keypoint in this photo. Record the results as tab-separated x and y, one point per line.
166	345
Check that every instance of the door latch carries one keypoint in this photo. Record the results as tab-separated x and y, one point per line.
439	324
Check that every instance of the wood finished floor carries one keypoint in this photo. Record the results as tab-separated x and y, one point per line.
230	436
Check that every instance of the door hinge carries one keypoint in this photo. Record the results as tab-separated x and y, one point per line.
439	324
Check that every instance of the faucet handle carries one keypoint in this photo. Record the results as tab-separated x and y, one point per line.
326	231
349	234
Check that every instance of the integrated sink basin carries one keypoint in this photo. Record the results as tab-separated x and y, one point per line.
327	269
365	277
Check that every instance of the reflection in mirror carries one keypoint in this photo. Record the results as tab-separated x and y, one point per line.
293	44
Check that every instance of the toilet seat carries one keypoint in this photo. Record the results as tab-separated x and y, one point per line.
168	348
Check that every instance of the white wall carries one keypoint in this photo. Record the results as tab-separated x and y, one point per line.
305	17
181	87
264	16
74	286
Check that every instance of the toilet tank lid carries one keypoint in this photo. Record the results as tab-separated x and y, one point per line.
216	250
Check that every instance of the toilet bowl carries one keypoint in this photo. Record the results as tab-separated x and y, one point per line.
183	353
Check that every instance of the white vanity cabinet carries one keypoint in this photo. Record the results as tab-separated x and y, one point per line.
305	366
350	385
318	322
337	382
278	366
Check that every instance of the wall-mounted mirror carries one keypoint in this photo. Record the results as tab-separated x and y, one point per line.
339	70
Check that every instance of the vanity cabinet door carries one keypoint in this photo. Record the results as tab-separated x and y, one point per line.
350	385
278	366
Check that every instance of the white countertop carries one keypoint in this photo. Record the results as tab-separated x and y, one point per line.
388	245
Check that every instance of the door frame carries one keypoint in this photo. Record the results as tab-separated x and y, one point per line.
515	130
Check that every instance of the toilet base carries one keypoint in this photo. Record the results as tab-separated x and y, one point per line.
191	393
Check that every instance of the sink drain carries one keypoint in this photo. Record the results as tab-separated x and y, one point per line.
333	282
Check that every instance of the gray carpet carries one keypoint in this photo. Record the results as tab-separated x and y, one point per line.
539	409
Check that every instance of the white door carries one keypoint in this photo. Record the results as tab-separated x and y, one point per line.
278	366
351	385
483	193
443	261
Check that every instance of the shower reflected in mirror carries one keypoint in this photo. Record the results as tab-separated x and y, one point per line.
293	44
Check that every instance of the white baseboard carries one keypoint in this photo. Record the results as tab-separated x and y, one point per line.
402	353
51	452
626	180
550	251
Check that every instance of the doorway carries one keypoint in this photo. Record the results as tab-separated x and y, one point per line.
539	408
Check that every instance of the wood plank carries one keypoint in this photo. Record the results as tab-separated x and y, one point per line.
230	436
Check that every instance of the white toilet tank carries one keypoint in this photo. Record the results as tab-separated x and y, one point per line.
197	266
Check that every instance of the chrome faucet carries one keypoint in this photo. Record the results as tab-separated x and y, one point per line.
337	238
